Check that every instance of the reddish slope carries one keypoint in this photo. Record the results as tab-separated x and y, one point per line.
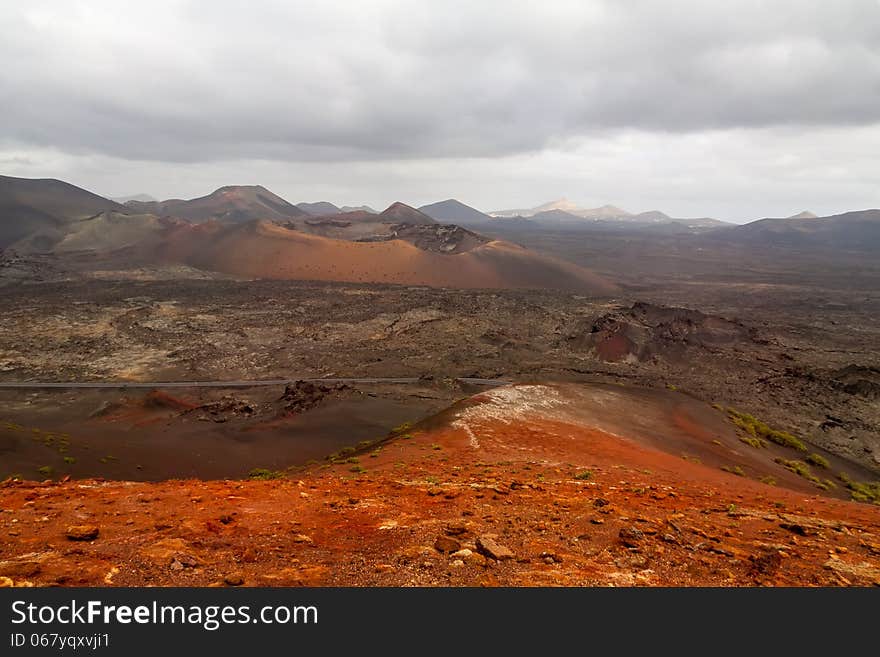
574	505
267	250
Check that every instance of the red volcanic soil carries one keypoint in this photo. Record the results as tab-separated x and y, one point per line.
265	250
509	488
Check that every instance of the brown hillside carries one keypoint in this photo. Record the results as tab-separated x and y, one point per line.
265	250
38	206
401	213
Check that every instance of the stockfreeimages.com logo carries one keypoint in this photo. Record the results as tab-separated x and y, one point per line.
210	617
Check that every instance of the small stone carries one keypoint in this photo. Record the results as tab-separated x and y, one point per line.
6	583
302	538
234	579
446	544
384	568
456	529
464	553
631	537
181	561
487	546
458	563
82	533
795	528
550	557
597	521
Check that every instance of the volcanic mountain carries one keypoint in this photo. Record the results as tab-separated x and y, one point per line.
234	203
859	231
357	208
567	207
454	212
143	198
35	206
401	213
565	213
452	257
319	208
115	232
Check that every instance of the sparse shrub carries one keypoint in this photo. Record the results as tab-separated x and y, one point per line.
584	475
352	459
364	443
46	470
357	468
264	474
758	429
818	460
401	428
770	481
757	443
69	460
436	447
691	458
800	468
861	491
734	469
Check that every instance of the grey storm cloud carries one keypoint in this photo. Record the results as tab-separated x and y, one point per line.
198	81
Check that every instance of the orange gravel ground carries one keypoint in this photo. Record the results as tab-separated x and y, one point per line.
642	517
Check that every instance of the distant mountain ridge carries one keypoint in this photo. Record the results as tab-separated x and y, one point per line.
858	231
319	208
454	211
40	214
143	198
563	211
235	203
566	206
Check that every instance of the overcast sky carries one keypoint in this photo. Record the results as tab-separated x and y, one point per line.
735	110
